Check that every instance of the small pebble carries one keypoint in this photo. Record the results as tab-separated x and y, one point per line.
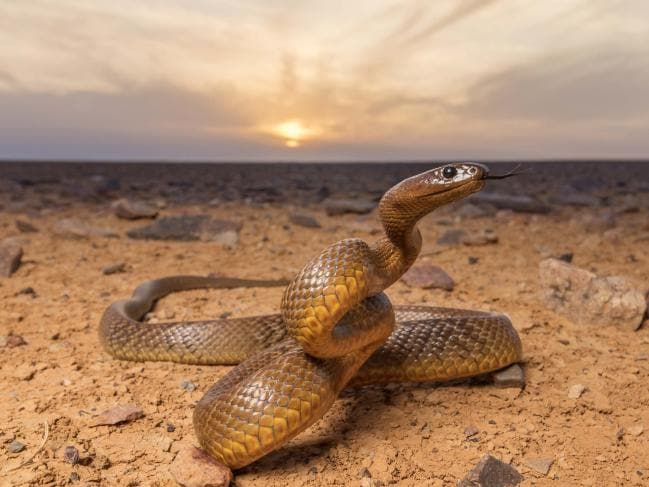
635	430
15	447
24	226
71	455
13	341
74	477
576	391
187	385
170	427
114	269
470	431
473	260
541	465
511	377
28	291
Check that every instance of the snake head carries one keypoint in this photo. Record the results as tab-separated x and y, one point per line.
444	184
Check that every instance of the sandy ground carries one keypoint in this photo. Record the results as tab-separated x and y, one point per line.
402	434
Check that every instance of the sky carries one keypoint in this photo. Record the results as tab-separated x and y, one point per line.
324	80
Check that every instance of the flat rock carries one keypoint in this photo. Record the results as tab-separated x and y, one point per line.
340	206
586	298
114	269
73	228
24	226
541	465
12	341
195	468
485	237
452	236
133	209
11	254
524	204
576	390
511	377
190	228
491	472
302	220
427	276
118	414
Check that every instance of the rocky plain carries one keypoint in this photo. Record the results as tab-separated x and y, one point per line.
563	249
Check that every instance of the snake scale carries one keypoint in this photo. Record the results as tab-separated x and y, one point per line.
336	328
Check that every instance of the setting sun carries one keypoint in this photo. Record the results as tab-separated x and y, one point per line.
293	132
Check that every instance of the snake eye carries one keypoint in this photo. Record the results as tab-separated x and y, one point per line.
449	172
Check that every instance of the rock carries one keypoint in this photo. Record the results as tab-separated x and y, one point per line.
567	257
24	371
427	276
568	196
451	237
190	228
12	341
71	455
485	237
15	447
187	385
340	206
118	414
73	228
491	472
470	431
195	468
133	209
525	204
29	291
114	269
576	391
24	226
586	298
597	222
635	430
10	255
541	465
469	210
303	220
511	377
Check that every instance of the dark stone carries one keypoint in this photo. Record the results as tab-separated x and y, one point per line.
511	377
16	446
134	209
10	255
427	276
491	472
525	204
114	269
71	455
340	206
188	228
25	227
567	257
303	220
452	236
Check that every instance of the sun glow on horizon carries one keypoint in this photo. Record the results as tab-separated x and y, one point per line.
293	132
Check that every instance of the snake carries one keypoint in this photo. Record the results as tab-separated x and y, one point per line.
336	328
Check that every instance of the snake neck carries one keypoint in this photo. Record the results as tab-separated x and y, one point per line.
397	251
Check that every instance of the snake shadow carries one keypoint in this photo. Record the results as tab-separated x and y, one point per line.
358	410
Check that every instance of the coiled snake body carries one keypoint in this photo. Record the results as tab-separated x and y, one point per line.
336	327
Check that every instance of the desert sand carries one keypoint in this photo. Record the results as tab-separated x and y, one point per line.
406	435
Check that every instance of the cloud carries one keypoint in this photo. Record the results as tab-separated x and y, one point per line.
606	84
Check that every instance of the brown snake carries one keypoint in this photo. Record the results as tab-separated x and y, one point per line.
336	327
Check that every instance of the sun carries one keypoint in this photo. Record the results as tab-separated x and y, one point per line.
293	132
